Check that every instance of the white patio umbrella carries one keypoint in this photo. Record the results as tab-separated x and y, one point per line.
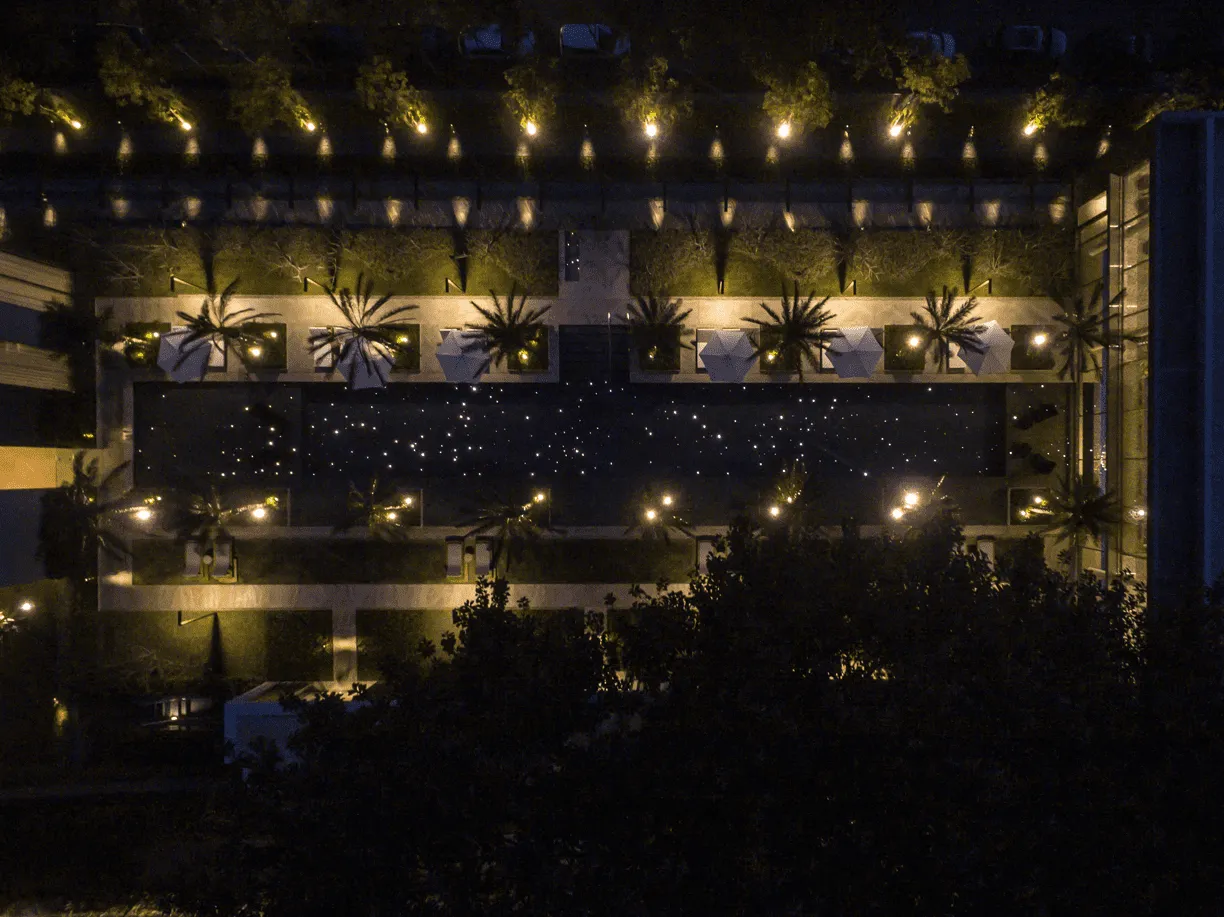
365	364
462	357
995	353
855	353
728	356
184	361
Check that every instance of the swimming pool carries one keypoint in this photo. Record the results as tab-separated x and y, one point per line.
592	444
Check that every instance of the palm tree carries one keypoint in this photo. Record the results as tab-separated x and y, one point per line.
365	324
1080	507
78	521
797	334
218	325
1083	334
943	323
513	524
656	325
384	514
655	514
205	516
510	333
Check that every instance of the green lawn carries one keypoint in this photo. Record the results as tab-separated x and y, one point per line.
255	644
286	561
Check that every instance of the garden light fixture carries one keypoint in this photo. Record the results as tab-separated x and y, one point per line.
531	128
393	515
76	125
895	129
1039	340
911	499
897	513
651	515
255	352
775	511
524	356
407	501
913	342
422	127
310	126
784	130
540	496
259	512
652	129
144	514
26	605
1030	129
667	500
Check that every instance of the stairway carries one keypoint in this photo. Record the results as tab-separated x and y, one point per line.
594	353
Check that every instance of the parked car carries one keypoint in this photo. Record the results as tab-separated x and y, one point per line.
941	44
1033	39
488	41
592	40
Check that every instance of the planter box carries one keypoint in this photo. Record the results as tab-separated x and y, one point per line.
408	352
783	365
533	358
900	356
1028	506
265	347
141	342
660	359
1035	347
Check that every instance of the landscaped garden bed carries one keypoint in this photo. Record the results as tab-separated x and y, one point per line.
773	360
533	358
1028	506
141	341
408	350
1035	347
904	349
660	359
264	346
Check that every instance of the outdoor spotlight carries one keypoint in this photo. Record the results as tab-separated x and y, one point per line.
771	356
651	515
897	513
1024	514
259	512
895	129
790	499
1030	129
652	353
1039	340
531	129
652	130
144	515
1138	514
401	339
524	356
914	342
667	500
1038	500
185	125
26	606
393	515
540	496
310	126
911	499
784	130
255	351
76	125
775	511
422	127
407	501
272	335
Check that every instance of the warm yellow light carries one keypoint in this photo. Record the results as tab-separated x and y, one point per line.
1139	512
259	512
401	339
1038	500
914	341
667	500
531	129
790	499
540	496
784	130
895	129
422	127
76	125
1030	129
272	335
652	129
310	126
255	351
1024	514
911	499
897	512
185	125
144	515
524	356
771	356
1039	340
775	511
393	515
407	501
27	605
651	515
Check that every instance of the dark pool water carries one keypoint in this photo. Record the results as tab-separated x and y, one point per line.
595	443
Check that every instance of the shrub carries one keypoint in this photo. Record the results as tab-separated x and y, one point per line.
805	102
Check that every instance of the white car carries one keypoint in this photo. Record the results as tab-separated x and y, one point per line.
592	39
487	41
1033	39
941	44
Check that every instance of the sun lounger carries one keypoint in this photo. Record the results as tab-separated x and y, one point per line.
484	557
192	566
454	557
223	556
